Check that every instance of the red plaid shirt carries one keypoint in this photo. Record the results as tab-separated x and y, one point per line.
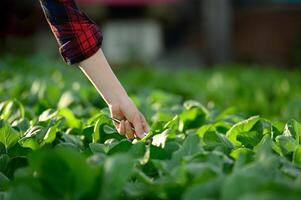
78	36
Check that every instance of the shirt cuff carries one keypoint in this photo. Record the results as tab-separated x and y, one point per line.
82	45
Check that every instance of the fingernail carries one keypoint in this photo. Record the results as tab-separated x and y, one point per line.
145	134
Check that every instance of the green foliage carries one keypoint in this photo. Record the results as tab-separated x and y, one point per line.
8	135
56	141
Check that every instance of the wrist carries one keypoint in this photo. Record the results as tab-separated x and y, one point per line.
118	98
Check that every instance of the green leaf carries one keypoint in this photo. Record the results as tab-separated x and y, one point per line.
137	150
263	175
38	136
243	157
71	120
277	129
264	147
117	170
31	137
63	173
291	170
98	148
297	156
241	127
213	139
67	99
173	124
158	126
48	115
109	130
249	139
12	110
170	148
8	136
68	145
21	125
189	104
293	129
192	118
4	161
157	152
120	147
14	164
287	144
134	190
207	190
194	115
241	151
201	172
50	135
76	140
207	127
3	181
24	192
189	147
99	133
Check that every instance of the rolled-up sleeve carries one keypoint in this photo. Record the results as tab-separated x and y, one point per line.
78	36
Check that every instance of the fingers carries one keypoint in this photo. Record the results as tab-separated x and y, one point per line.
145	125
140	125
132	118
129	131
121	128
125	128
116	113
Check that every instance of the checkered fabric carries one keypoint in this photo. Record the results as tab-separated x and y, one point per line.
78	36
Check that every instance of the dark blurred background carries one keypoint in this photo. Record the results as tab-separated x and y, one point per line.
175	33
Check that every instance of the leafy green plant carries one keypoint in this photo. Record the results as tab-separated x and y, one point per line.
56	141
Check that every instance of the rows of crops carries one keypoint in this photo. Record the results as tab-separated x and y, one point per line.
236	140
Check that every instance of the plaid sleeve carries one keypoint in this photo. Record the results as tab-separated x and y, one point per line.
78	36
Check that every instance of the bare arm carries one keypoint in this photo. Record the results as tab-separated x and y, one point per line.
99	72
80	40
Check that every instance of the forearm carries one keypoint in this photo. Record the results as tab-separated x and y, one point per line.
99	72
80	41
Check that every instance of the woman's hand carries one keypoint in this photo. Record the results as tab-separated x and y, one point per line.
130	118
121	106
